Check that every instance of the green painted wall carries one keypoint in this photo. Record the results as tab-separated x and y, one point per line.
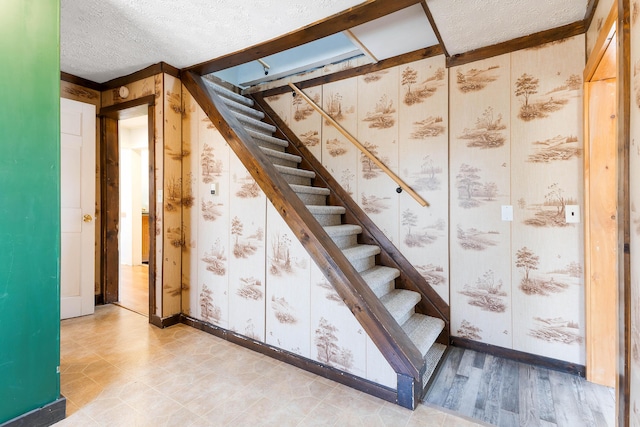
29	205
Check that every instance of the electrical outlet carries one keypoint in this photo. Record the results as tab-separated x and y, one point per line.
214	189
572	213
507	213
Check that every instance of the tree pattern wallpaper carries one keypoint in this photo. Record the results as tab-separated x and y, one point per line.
514	138
245	270
634	190
485	155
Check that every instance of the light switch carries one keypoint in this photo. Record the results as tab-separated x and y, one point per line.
572	213
507	213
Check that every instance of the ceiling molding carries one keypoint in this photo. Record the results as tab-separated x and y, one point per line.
151	70
89	84
532	40
435	27
345	20
590	13
357	71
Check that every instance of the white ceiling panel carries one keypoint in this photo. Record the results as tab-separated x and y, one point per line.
400	32
465	25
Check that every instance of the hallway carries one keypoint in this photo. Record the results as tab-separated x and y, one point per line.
117	370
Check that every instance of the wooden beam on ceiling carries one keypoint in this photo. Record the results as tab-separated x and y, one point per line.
532	40
591	11
365	12
434	27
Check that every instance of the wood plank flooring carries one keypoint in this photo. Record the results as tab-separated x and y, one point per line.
133	291
502	392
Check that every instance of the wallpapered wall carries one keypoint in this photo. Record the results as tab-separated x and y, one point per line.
244	270
513	136
634	190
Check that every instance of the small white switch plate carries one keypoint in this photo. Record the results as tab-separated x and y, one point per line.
214	189
507	213
572	213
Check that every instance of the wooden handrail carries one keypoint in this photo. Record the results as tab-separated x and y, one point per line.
403	356
431	303
360	147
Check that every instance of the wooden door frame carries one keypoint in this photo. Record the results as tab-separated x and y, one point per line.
619	17
110	195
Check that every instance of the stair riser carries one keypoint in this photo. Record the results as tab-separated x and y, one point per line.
345	241
282	162
313	199
241	109
406	316
296	179
328	219
363	264
266	144
383	288
256	126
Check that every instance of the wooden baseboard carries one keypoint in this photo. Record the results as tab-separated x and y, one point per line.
520	356
41	417
308	365
99	299
164	322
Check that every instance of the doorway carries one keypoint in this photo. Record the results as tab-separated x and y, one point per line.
122	237
133	233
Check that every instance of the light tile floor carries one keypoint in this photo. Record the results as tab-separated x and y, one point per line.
117	370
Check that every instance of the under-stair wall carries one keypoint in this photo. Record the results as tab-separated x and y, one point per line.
248	273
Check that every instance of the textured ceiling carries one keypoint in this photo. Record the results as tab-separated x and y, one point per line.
465	25
105	39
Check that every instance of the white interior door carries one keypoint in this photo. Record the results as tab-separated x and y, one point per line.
77	203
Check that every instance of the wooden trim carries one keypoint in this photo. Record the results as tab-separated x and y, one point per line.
48	415
110	204
520	356
308	365
70	78
125	110
110	192
402	185
532	40
406	58
602	42
365	12
397	348
162	323
152	211
434	27
623	398
591	11
98	299
431	303
151	70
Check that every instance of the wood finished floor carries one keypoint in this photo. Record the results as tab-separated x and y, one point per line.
134	288
502	392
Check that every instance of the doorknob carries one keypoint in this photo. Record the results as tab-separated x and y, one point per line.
87	218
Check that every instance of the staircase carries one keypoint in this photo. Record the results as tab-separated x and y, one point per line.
421	330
